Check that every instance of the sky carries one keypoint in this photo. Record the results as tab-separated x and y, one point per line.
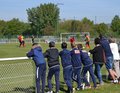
96	10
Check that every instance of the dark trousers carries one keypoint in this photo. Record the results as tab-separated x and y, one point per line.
54	71
84	71
97	72
76	76
67	73
40	76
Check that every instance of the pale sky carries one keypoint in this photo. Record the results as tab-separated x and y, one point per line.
96	10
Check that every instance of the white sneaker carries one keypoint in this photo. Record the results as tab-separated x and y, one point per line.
115	81
83	86
73	90
50	92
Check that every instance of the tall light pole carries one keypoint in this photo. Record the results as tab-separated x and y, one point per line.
57	18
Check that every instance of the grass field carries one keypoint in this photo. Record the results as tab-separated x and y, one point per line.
20	74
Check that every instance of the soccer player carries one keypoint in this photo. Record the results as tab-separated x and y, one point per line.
37	55
87	39
72	39
21	40
33	38
52	55
67	66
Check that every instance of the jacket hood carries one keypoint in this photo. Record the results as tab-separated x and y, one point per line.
38	48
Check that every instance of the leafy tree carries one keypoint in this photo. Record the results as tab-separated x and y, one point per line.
43	17
87	25
2	27
13	27
115	24
101	28
70	26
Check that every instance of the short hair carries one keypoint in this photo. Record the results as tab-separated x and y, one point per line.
86	34
80	46
73	45
97	41
52	44
34	44
111	40
64	45
100	35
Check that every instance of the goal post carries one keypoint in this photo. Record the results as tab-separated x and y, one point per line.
79	36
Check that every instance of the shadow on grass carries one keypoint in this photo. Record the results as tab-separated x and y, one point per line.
62	85
31	89
106	79
26	90
23	90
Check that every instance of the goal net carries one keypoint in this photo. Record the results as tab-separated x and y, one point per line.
79	37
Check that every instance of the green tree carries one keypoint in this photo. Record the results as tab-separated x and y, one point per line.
87	25
2	27
115	24
15	27
43	17
70	26
101	28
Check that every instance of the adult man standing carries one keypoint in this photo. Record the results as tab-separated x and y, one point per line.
109	56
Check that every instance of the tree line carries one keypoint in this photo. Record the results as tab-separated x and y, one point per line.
45	20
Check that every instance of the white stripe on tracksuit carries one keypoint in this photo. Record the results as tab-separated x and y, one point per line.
37	71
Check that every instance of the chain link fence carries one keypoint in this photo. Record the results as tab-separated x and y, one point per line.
17	76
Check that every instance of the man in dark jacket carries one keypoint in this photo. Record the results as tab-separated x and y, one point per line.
98	59
52	56
37	55
109	56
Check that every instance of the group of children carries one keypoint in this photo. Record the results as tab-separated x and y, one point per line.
75	62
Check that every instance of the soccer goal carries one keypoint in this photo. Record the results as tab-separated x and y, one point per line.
79	36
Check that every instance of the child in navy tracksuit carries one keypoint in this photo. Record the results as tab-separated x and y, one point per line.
52	56
88	66
77	64
37	55
67	66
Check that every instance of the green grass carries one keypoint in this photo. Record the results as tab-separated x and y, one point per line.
25	68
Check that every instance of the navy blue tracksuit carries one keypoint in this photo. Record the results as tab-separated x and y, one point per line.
88	66
67	67
77	64
40	63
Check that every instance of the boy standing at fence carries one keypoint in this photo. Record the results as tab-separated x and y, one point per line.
67	66
88	66
77	64
98	59
52	56
37	55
